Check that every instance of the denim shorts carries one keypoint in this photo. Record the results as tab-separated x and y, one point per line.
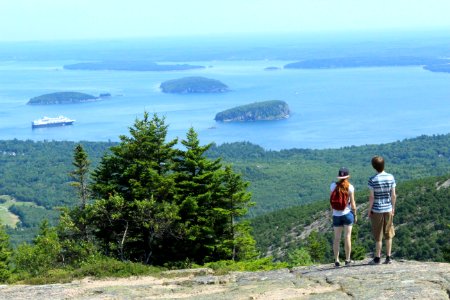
339	221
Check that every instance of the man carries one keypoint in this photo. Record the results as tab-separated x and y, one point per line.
382	209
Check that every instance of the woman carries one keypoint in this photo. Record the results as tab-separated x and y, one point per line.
343	219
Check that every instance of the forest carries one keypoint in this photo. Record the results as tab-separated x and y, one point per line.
143	199
38	172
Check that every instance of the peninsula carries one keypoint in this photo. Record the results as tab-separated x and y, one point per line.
188	85
130	66
62	98
258	111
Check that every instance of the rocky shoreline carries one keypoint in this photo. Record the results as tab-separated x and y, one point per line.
400	280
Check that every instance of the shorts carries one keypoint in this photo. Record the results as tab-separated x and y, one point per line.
345	220
382	226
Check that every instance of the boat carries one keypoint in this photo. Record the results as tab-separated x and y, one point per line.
50	122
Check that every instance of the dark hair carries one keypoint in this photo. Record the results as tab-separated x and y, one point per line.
378	163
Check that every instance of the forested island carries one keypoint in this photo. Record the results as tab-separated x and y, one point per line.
258	111
64	98
445	68
359	62
195	84
130	66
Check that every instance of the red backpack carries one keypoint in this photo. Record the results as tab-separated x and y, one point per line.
338	199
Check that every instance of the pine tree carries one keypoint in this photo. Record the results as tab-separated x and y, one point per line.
138	172
81	174
197	181
5	255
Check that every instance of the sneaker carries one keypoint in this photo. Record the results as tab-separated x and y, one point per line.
349	262
375	261
337	264
388	260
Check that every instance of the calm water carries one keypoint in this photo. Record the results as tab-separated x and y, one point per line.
330	108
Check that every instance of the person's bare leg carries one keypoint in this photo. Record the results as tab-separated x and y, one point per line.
336	242
378	245
348	242
388	244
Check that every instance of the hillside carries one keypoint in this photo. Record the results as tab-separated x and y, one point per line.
422	223
401	280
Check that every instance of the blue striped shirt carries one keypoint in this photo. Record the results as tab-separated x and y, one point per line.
382	185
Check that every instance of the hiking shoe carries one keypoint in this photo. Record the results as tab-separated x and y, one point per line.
349	262
337	264
388	260
375	261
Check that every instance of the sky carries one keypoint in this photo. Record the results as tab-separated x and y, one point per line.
34	20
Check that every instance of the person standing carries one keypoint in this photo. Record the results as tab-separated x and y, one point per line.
382	200
344	216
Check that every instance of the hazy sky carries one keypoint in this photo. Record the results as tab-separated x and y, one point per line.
93	19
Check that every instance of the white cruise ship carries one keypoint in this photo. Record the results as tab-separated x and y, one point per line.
50	122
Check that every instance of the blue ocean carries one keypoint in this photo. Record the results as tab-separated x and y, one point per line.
330	108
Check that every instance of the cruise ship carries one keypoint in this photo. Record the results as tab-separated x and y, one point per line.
50	122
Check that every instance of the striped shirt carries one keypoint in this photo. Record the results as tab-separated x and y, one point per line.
382	185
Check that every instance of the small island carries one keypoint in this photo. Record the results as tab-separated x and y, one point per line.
271	68
188	85
445	68
363	62
130	66
258	111
62	98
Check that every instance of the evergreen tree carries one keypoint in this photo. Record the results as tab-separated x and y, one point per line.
43	255
81	174
317	246
5	255
197	181
134	186
211	197
235	202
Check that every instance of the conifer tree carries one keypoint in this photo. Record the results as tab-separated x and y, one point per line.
81	174
138	172
197	182
5	255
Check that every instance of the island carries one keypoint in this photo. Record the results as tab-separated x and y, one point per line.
62	98
258	111
445	68
130	66
361	62
188	85
271	68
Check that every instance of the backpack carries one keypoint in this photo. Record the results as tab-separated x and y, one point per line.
338	199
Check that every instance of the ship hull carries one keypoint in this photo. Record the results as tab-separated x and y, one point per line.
51	124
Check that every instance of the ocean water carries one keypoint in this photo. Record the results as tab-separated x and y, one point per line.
330	108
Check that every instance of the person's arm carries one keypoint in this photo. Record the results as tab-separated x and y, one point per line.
371	199
393	200
353	204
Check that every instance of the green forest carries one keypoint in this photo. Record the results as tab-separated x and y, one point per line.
143	199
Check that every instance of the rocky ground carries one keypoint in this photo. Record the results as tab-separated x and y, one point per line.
400	280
